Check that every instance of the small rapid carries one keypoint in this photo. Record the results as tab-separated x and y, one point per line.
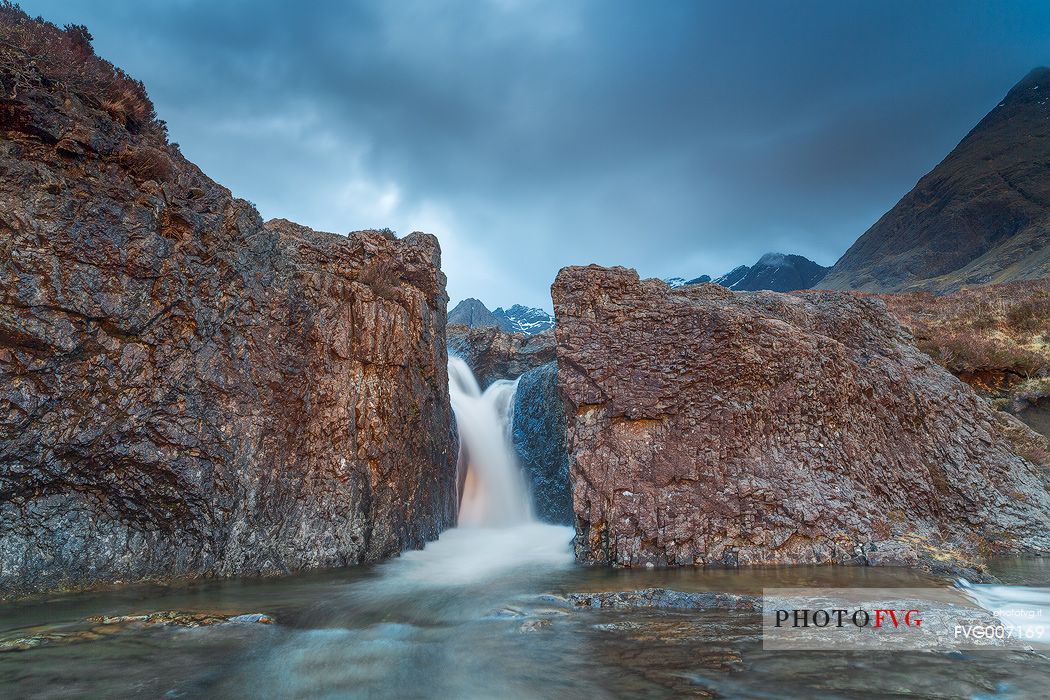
1023	609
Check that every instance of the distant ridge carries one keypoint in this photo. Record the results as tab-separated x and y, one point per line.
516	319
523	319
774	271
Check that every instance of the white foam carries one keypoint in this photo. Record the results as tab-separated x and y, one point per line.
469	555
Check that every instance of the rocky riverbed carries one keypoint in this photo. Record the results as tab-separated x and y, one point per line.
511	626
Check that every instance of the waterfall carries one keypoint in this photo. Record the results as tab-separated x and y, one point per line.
492	491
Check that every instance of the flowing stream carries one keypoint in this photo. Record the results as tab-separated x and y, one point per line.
482	613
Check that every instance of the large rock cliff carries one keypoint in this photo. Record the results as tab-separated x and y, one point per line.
707	427
185	390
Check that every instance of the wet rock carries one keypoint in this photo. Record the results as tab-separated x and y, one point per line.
179	618
105	625
555	600
665	598
624	626
256	618
891	554
538	433
766	428
185	390
31	642
492	353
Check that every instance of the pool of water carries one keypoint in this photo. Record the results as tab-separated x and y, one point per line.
470	617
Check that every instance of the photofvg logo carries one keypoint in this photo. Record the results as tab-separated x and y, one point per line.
841	616
974	617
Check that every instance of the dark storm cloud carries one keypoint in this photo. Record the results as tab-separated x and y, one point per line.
676	137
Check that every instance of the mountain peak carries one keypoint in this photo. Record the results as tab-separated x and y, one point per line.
777	272
523	319
1037	78
473	313
772	259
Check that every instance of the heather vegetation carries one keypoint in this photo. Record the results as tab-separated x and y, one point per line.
35	52
995	337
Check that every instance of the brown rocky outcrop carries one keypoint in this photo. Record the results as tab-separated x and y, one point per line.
184	390
493	353
706	427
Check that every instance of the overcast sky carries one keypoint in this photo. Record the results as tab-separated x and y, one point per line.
679	138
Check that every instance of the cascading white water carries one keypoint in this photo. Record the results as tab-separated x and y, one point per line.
1023	609
493	491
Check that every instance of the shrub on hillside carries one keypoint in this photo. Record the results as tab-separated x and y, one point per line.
383	277
963	352
1030	315
66	56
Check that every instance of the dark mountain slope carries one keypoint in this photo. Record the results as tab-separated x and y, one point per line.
981	216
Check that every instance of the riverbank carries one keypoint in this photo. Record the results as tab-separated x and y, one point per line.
481	614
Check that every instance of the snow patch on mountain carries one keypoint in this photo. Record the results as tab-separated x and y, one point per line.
523	319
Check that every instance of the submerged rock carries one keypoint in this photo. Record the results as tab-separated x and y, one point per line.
719	428
185	390
667	599
535	625
539	439
180	618
105	625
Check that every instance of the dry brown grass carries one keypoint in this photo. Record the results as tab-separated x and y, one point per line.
35	49
999	328
147	163
383	277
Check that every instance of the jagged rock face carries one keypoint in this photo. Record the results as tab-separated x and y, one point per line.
538	432
492	353
187	391
707	427
981	216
